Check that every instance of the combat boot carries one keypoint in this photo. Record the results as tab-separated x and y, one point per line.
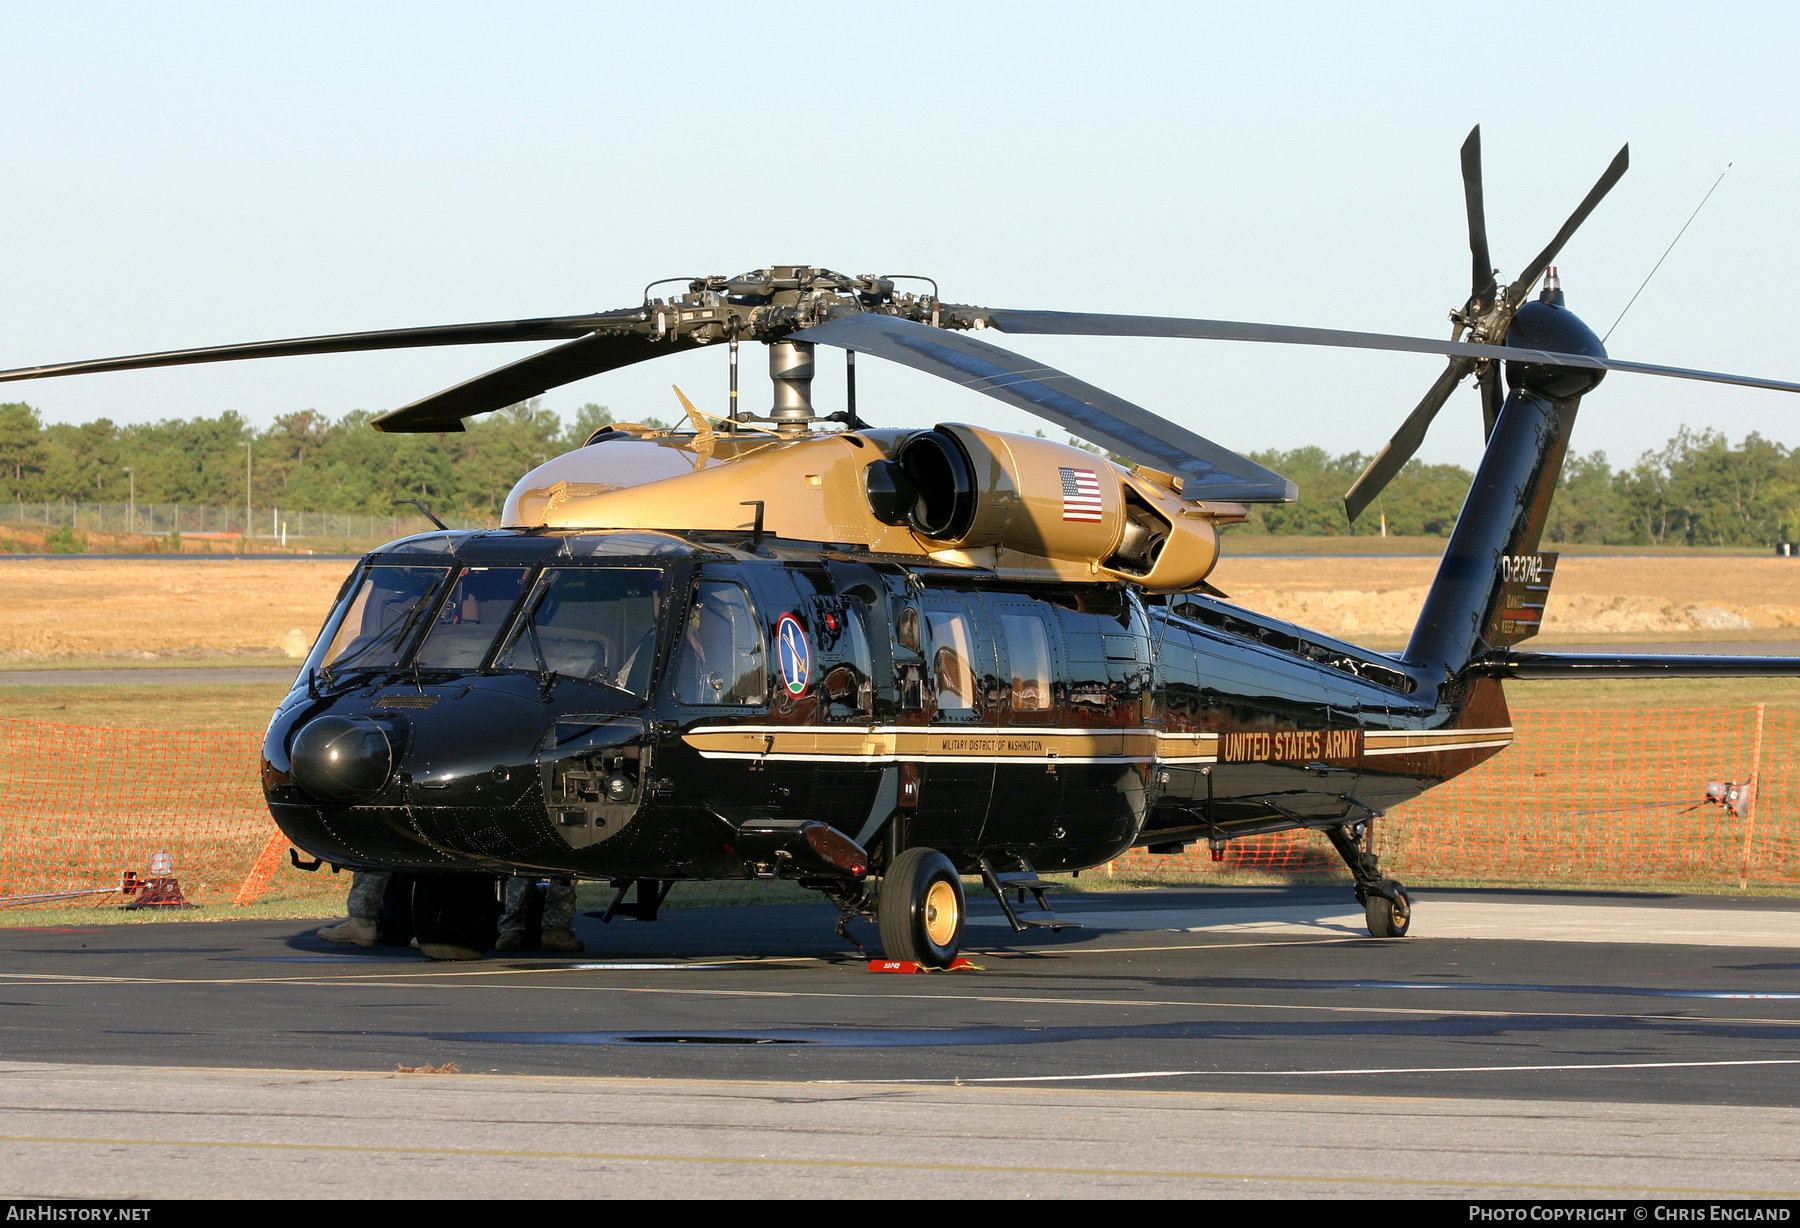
357	930
509	940
560	940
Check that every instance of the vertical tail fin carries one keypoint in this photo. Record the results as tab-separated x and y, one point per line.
1492	573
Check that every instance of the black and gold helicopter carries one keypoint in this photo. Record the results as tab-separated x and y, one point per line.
780	646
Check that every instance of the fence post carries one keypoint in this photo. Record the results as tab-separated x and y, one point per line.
1750	802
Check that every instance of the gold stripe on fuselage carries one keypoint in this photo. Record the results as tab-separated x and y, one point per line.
1022	743
1419	741
912	743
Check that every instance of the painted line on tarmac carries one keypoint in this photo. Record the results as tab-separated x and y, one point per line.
431	971
645	967
1623	991
1373	1070
885	1165
43	981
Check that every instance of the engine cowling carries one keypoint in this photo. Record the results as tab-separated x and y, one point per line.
960	487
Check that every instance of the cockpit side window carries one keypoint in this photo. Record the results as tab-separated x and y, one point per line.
721	657
597	624
378	617
471	617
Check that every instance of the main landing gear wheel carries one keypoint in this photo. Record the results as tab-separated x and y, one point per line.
456	916
921	909
1389	918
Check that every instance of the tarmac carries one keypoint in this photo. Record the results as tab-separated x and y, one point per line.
1183	1043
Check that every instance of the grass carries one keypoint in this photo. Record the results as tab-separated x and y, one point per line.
1097	879
588	896
1640	693
271	659
212	707
246	707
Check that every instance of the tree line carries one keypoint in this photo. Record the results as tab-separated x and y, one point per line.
1698	489
304	461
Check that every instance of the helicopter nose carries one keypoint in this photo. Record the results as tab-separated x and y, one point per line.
342	758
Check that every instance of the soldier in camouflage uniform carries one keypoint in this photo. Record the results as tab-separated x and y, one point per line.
558	927
366	889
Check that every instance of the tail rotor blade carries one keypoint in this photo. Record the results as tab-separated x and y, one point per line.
1392	458
1481	286
1515	293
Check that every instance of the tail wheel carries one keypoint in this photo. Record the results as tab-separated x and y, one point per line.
921	909
455	916
1389	918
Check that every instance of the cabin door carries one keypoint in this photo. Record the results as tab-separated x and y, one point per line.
1027	806
719	681
957	776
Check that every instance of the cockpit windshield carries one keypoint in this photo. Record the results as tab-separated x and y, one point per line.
471	618
597	624
380	616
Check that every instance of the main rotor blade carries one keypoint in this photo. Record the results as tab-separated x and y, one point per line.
1393	457
515	382
551	328
1207	470
1481	285
1493	396
1087	324
1515	293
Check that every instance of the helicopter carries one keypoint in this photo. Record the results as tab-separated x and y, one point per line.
781	645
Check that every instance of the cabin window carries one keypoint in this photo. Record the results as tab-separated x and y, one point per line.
906	628
471	618
722	659
952	660
380	616
1028	651
597	624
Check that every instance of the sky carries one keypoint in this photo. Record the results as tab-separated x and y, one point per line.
196	174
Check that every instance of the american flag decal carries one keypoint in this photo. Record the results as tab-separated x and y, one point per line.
1081	494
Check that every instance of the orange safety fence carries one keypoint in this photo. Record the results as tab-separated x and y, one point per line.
1587	796
79	806
1581	796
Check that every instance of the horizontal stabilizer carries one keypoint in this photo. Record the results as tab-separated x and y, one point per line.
1542	665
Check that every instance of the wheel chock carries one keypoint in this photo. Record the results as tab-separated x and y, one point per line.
959	964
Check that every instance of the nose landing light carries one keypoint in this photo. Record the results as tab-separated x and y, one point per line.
342	758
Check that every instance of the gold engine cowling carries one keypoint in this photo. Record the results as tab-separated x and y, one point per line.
961	487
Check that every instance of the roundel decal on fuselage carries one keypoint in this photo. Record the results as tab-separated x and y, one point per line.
794	652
